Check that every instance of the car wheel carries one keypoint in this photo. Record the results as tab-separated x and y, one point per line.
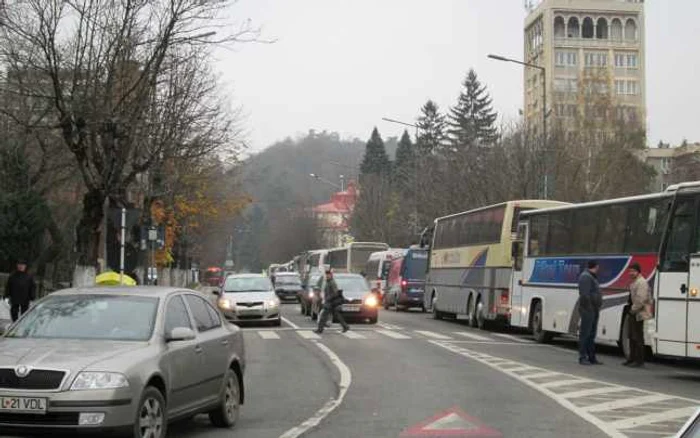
151	417
542	336
226	414
277	322
373	320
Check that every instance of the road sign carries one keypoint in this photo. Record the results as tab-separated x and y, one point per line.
451	423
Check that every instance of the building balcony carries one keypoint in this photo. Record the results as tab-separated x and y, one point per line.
594	43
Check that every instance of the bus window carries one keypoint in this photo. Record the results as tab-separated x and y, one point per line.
559	241
679	235
585	230
415	265
611	231
538	235
646	223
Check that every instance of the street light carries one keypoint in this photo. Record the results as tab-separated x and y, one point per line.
322	179
544	106
399	122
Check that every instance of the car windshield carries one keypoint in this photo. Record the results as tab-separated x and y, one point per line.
247	284
353	284
125	318
288	280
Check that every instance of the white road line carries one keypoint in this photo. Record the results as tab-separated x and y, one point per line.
473	336
521	369
433	335
290	323
513	338
389	326
354	335
269	335
343	386
565	382
657	417
627	403
594	391
308	334
392	334
542	374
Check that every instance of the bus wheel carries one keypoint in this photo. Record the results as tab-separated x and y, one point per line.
436	313
479	315
624	341
542	336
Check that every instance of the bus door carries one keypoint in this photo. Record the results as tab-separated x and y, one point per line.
673	286
693	297
518	316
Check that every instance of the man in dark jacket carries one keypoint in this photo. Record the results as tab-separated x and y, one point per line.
590	300
20	290
332	300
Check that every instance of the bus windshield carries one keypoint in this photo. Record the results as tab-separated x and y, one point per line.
416	265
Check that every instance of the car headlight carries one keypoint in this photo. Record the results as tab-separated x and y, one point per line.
226	304
94	380
371	301
311	294
273	303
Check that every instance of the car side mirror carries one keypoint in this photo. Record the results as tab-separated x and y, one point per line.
180	334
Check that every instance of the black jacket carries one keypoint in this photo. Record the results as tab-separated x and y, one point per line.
589	297
20	287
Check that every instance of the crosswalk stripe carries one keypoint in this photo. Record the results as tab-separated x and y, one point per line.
354	335
473	336
433	335
542	374
308	334
268	335
643	420
512	338
628	403
392	334
594	391
567	382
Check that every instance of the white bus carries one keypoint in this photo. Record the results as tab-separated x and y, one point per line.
660	232
471	265
378	266
353	257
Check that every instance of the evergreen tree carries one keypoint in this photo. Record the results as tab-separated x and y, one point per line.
432	127
405	155
375	161
472	120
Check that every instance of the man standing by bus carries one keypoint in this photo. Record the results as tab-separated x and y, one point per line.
589	303
640	299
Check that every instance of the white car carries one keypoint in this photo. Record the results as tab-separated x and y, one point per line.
249	298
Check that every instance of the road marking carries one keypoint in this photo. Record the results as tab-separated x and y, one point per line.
594	391
565	382
354	335
269	335
290	323
628	403
522	368
389	326
433	335
331	405
308	334
473	336
393	334
513	338
542	374
656	417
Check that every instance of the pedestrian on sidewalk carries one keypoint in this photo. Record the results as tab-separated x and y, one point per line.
639	311
20	290
332	300
590	301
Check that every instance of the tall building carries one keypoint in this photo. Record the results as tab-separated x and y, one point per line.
591	50
673	165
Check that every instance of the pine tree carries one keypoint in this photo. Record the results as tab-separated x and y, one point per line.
405	155
472	120
431	126
376	161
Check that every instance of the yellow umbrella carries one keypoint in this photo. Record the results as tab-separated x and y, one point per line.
111	278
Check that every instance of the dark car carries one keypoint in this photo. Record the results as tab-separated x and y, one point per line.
288	286
360	303
306	295
406	283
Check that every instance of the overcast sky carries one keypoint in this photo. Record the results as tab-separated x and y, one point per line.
342	65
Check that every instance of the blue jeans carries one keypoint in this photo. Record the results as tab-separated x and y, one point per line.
586	335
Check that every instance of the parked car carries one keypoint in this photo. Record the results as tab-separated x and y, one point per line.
249	298
307	294
406	283
106	360
360	303
288	286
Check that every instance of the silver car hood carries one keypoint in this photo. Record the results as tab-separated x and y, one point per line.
247	297
73	355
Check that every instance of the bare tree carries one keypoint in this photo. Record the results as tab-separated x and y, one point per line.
128	86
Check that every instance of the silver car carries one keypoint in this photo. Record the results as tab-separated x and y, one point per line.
119	359
251	298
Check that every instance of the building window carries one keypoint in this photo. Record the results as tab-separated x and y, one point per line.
632	60
587	28
566	59
574	28
619	61
630	30
566	85
616	29
602	29
596	59
626	60
559	27
626	86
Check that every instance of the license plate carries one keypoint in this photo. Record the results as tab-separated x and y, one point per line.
351	307
23	405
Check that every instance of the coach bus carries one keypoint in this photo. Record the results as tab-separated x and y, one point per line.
471	262
353	257
660	232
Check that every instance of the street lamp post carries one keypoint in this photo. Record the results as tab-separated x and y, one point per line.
544	107
322	179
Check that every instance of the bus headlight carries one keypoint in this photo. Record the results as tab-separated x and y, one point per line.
371	301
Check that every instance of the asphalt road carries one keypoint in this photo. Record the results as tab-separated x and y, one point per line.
411	376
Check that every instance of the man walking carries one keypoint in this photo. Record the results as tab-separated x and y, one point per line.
332	300
20	290
589	303
640	300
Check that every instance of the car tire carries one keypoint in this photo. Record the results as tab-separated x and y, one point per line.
277	322
541	336
373	320
151	416
226	414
